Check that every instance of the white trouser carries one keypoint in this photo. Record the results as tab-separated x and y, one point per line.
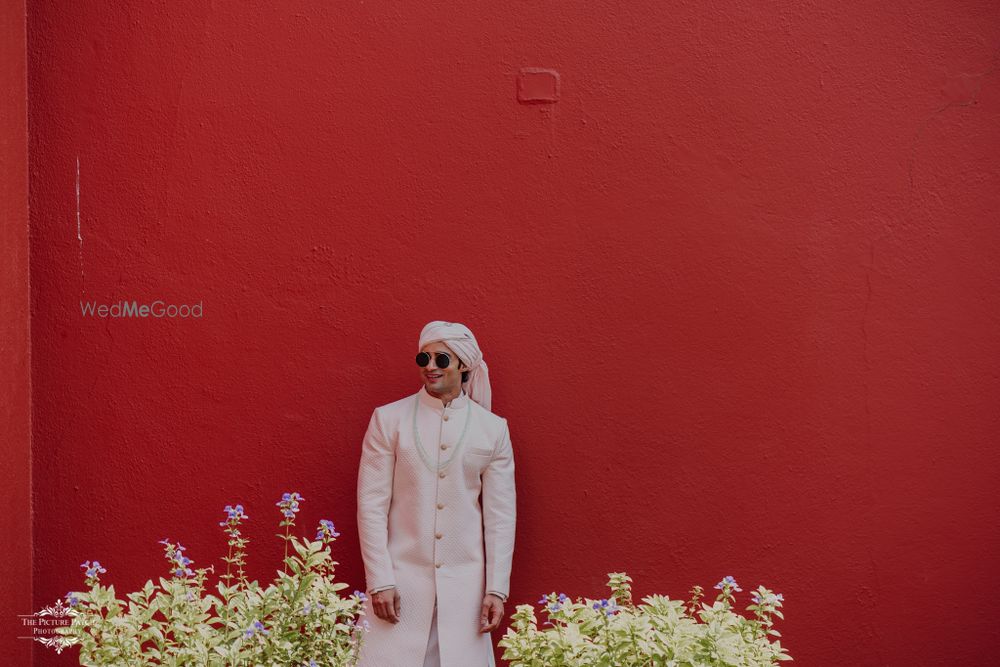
432	658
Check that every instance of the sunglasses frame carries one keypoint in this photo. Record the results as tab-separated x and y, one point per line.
434	356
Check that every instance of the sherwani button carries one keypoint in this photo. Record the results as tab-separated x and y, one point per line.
439	536
444	446
441	475
438	565
446	417
440	506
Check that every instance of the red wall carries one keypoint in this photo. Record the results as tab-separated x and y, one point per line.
737	288
15	365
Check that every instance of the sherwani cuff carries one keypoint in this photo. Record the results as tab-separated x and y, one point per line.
498	594
379	579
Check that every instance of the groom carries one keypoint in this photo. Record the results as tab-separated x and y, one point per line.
437	562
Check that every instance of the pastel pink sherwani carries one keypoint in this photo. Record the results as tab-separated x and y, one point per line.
422	528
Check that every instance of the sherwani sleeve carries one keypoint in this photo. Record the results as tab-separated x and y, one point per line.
499	514
374	496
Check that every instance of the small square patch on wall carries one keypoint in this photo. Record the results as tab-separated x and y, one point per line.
537	85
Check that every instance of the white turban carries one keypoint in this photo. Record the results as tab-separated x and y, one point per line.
459	338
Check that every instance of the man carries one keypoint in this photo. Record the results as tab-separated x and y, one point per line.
437	563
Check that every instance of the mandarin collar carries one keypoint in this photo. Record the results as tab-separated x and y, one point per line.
435	403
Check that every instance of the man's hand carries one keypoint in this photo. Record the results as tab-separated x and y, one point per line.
492	613
386	605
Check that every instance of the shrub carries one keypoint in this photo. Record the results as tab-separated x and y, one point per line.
298	619
660	632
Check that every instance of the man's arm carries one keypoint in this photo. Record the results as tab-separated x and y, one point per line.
374	496
499	514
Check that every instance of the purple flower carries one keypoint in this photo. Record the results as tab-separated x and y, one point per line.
554	606
93	569
770	599
361	595
289	505
255	628
178	561
326	530
729	582
234	513
609	607
72	599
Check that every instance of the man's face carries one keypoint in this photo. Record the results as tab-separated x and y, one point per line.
440	381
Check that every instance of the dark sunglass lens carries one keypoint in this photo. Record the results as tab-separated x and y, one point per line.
442	360
423	359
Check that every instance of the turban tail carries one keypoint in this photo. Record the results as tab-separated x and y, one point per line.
460	339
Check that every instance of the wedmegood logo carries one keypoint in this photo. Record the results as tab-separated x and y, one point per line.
158	309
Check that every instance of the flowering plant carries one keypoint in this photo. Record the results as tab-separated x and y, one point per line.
298	619
661	632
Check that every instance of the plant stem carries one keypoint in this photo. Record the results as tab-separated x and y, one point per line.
285	561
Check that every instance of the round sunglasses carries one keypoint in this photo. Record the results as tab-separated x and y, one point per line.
441	359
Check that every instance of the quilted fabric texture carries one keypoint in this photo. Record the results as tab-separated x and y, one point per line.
422	527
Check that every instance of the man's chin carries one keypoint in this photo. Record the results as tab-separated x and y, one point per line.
437	387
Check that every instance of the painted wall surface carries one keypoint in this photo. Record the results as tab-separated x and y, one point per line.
15	360
737	289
